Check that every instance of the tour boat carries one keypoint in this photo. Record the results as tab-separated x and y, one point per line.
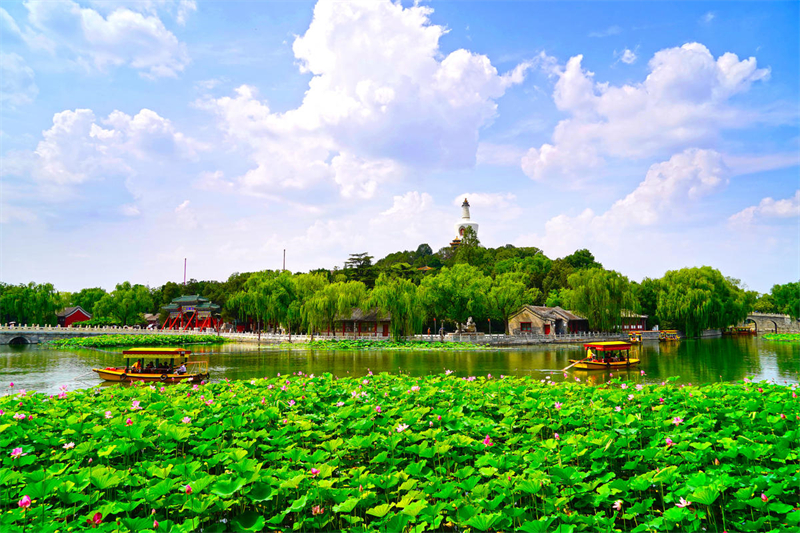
669	335
606	356
161	366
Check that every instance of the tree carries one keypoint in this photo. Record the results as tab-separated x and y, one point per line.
787	298
470	250
332	300
86	298
601	296
456	293
694	299
125	303
765	304
507	295
33	303
359	268
646	294
582	259
400	299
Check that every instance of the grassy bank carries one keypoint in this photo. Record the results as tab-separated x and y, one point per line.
391	453
782	337
384	345
110	341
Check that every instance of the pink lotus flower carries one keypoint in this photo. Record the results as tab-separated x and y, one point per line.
677	420
438	417
764	498
17	453
291	403
415	388
624	386
25	502
661	400
641	372
314	472
378	409
557	436
402	427
155	524
109	415
97	519
446	373
487	441
669	442
135	405
129	422
69	445
188	489
558	406
186	420
317	510
62	395
339	404
683	503
639	386
618	408
30	417
630	397
19	416
617	505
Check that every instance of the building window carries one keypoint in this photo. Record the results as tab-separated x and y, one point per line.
525	327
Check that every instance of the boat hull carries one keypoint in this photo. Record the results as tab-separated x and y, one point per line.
120	375
599	365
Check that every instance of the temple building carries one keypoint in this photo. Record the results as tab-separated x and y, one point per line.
189	312
463	224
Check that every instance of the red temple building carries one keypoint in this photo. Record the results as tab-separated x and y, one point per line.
188	312
70	315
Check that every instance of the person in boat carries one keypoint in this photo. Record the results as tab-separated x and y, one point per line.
182	369
149	367
136	367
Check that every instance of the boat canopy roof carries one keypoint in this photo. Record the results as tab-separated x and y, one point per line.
157	351
609	346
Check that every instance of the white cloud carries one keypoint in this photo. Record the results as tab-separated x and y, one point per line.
768	208
78	149
130	210
608	32
683	102
499	154
122	37
628	56
668	188
17	85
708	17
382	98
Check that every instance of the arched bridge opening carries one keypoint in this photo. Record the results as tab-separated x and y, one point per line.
19	341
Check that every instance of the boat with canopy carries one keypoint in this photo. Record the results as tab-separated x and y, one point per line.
605	356
156	364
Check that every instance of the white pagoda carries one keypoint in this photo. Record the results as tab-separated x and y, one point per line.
463	224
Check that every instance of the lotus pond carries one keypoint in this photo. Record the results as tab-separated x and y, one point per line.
782	337
394	452
105	341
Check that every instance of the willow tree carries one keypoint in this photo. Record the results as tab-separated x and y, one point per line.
508	294
30	304
125	303
331	300
601	296
265	296
400	299
456	293
694	299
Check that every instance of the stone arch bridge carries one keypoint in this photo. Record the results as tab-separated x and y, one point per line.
773	323
40	334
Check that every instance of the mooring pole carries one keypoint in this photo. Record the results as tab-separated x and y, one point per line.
184	271
284	258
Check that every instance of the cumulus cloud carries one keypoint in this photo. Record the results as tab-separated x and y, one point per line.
608	32
683	102
17	85
668	187
78	149
768	208
382	99
628	56
98	42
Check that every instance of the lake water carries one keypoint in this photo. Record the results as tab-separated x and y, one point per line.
36	367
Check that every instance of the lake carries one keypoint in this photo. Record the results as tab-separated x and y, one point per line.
44	369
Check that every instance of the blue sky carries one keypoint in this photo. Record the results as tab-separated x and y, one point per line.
136	134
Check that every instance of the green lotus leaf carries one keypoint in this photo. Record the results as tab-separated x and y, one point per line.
380	510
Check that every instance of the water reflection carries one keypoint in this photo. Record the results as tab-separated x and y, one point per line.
41	368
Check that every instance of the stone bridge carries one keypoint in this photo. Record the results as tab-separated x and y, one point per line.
773	323
39	334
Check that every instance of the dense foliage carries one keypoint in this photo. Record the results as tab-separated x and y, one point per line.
105	341
421	289
694	299
781	299
394	453
360	344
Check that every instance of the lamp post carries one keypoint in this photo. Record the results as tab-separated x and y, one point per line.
490	326
435	331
